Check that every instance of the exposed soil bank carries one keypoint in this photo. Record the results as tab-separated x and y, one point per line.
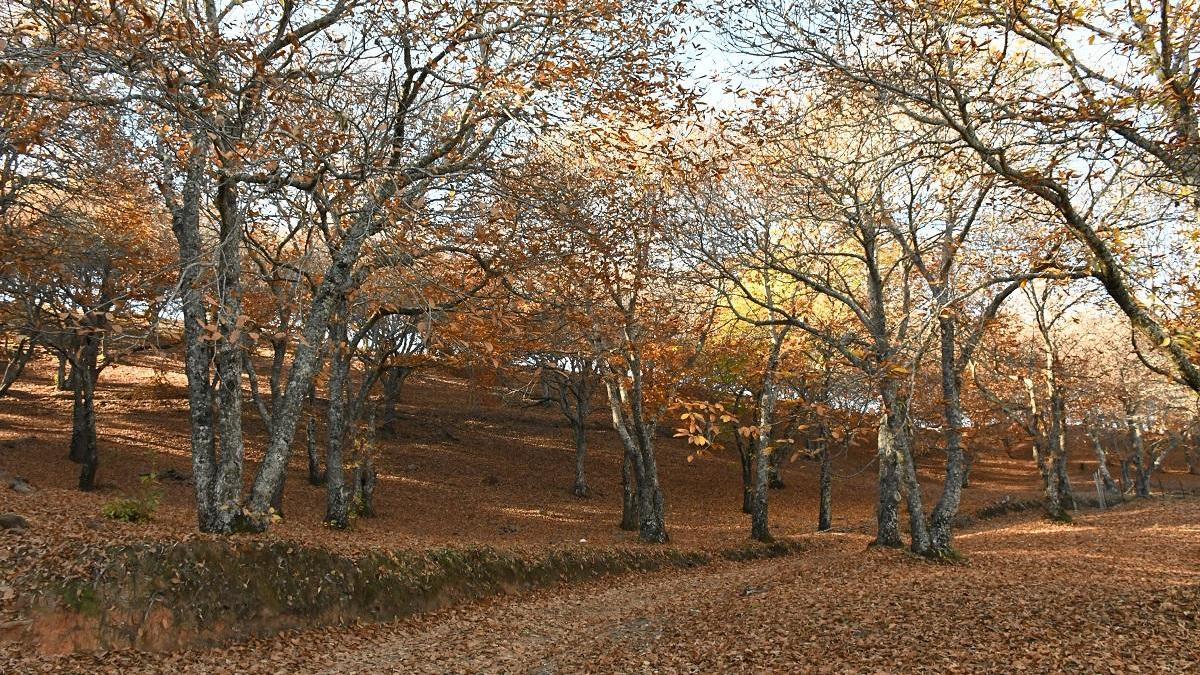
163	597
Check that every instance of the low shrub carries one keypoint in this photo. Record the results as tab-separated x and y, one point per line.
136	509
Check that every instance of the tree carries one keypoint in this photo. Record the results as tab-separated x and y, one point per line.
366	111
1042	125
86	280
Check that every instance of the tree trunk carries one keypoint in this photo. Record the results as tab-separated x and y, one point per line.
185	223
580	489
774	477
629	502
62	378
652	527
393	384
767	399
637	439
337	512
968	465
887	510
308	355
941	521
1141	465
315	475
229	357
825	514
1050	484
277	500
747	476
1102	462
895	449
759	527
79	441
84	424
364	479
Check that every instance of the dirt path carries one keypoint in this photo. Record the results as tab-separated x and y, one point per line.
1111	593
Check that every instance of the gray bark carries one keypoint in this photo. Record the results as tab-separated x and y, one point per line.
185	222
1102	460
768	398
942	518
1140	461
887	509
337	513
307	359
636	434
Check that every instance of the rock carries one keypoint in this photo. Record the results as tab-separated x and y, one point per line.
16	483
11	521
169	475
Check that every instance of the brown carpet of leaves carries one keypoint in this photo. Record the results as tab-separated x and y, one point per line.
1111	593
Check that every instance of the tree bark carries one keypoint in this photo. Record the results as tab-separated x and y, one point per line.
84	424
941	521
887	509
825	513
1141	465
768	397
308	355
1102	461
637	438
580	488
774	478
629	502
337	512
315	475
62	377
897	469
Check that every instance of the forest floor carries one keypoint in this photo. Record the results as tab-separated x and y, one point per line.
1114	590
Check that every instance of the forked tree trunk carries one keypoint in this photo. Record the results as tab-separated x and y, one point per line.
1102	461
636	436
364	479
308	355
393	383
1140	462
1050	485
895	446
